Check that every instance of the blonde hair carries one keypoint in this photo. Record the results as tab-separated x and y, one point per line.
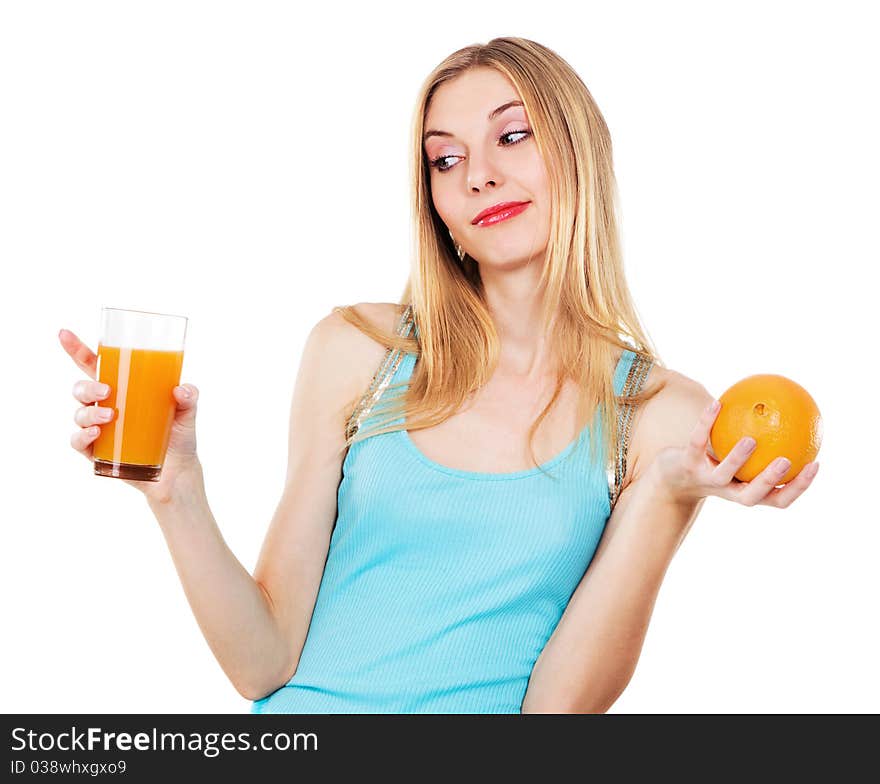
587	306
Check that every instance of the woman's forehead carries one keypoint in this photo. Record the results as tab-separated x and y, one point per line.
474	93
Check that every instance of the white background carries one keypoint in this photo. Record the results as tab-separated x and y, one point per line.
245	164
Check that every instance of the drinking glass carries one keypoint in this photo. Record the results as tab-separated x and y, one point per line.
140	357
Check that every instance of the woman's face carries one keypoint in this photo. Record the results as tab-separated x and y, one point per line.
483	157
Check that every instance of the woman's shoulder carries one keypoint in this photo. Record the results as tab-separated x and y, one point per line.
384	315
674	388
668	417
351	348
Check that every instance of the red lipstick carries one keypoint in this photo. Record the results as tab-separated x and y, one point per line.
499	212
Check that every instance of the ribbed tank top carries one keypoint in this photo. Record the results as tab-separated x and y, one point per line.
442	586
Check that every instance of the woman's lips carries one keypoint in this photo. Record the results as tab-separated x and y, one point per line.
497	217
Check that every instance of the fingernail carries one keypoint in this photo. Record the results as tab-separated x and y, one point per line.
184	392
749	444
812	470
781	464
715	405
103	389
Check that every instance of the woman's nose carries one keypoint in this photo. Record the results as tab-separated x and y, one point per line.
475	183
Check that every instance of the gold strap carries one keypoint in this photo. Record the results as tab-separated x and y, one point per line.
381	378
616	470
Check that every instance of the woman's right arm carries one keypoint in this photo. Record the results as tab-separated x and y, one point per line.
256	626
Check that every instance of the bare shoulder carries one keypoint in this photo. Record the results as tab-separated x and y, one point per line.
344	335
668	418
356	355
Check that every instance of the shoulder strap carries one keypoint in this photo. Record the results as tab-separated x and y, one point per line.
381	378
616	470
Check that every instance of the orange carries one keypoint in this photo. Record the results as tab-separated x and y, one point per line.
778	413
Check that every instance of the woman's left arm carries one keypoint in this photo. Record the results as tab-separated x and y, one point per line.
592	654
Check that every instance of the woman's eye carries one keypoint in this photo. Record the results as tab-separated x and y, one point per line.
437	163
513	133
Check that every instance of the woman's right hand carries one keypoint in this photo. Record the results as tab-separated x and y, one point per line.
180	459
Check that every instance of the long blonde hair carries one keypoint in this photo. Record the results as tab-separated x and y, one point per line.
587	307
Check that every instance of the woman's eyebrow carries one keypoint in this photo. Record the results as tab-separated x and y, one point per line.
492	115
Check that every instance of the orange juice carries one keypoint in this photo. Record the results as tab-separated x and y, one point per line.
141	383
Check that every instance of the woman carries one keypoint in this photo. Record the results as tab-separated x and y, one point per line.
430	551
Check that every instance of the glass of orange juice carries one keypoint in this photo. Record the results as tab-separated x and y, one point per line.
140	357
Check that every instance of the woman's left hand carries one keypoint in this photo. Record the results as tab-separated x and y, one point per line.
690	473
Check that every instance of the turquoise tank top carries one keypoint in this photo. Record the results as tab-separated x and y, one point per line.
442	586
